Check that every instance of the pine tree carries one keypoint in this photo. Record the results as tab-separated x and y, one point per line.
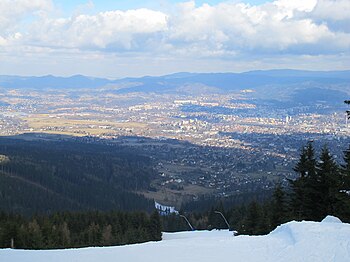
297	197
155	227
328	183
253	219
343	196
301	166
278	207
8	231
265	222
304	195
64	235
311	161
345	171
107	237
94	234
35	240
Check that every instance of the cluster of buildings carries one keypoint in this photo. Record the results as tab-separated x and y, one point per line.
233	143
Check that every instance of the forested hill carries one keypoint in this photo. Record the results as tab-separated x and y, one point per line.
45	176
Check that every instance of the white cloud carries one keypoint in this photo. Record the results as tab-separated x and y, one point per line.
287	8
332	10
334	13
228	30
240	28
107	30
12	11
3	41
12	14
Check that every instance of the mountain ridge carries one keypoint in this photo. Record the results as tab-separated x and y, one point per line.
172	82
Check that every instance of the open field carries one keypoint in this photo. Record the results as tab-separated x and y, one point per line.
78	127
177	197
40	121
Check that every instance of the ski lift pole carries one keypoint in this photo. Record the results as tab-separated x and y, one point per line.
222	215
188	222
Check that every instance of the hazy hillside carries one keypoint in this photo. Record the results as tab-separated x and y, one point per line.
223	82
233	81
52	82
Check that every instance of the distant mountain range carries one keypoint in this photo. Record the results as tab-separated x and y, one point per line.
294	87
183	82
52	82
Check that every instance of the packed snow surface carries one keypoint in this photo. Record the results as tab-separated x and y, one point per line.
328	240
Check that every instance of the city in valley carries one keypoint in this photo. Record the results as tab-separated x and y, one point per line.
201	140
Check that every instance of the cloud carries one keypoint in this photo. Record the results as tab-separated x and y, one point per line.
281	26
335	10
335	13
12	14
118	30
228	30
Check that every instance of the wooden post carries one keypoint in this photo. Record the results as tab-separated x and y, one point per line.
12	243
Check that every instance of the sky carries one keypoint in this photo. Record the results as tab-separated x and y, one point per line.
112	38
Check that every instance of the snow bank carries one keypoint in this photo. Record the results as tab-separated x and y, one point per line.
293	241
328	240
331	219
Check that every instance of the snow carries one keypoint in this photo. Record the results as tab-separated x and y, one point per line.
331	219
345	191
165	210
294	241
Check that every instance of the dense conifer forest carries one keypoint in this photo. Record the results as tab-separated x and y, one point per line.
78	229
48	176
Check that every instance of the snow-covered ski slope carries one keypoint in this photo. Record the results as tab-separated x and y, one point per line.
293	241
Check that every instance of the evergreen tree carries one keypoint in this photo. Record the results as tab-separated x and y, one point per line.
64	235
278	207
345	171
107	236
265	222
322	188
174	223
253	219
311	160
35	238
155	227
9	230
343	196
94	234
327	184
297	204
305	196
301	166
